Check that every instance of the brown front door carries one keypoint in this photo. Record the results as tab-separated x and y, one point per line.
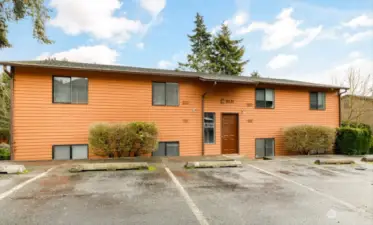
229	131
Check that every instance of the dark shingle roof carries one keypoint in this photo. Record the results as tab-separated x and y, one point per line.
149	71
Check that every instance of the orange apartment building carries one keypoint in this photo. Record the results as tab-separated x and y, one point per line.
55	102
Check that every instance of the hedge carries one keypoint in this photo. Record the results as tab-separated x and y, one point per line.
118	139
309	139
353	140
371	146
4	151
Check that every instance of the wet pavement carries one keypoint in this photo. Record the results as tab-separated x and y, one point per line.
288	191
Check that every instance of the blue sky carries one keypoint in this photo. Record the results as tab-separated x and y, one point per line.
312	40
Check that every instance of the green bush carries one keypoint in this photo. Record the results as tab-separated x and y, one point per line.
357	125
309	139
146	136
353	140
118	139
99	139
371	146
121	139
4	151
4	133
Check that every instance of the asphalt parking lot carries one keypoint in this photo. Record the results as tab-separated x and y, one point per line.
285	191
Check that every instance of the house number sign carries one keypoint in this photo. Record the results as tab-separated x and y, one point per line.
226	101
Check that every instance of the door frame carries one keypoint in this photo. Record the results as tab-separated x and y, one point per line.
238	130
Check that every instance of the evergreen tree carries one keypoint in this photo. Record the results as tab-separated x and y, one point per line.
198	59
226	55
255	74
15	10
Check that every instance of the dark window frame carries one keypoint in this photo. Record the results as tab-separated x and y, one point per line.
178	144
265	139
265	102
71	103
71	150
165	91
204	137
317	100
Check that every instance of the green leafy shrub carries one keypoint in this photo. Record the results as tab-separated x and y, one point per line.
99	139
118	139
146	136
121	139
371	146
353	140
4	151
309	139
357	125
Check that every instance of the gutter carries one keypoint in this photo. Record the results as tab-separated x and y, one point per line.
339	105
11	75
203	116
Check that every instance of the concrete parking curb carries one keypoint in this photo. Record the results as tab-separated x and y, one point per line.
367	159
12	169
213	164
334	161
108	166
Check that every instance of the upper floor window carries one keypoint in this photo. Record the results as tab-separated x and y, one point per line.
165	94
71	90
317	100
264	98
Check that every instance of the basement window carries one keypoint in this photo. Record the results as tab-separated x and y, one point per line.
167	149
67	152
264	147
264	98
70	90
317	100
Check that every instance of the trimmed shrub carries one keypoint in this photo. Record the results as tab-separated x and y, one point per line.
353	140
4	151
357	125
119	139
309	139
99	139
371	146
146	137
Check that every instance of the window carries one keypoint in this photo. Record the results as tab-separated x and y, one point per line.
264	147
317	100
265	98
67	152
165	94
209	128
70	90
167	149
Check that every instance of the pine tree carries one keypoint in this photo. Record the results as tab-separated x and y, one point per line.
255	74
15	10
197	61
226	56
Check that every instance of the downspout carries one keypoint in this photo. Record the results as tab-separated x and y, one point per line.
339	104
11	75
203	116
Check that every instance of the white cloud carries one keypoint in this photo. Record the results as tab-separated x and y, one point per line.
240	18
311	34
284	31
351	38
140	45
173	62
360	21
96	18
281	61
89	54
164	64
354	54
154	7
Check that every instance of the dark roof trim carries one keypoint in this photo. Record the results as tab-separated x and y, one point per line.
55	64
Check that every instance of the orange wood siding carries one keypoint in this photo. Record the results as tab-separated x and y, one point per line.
39	124
292	107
